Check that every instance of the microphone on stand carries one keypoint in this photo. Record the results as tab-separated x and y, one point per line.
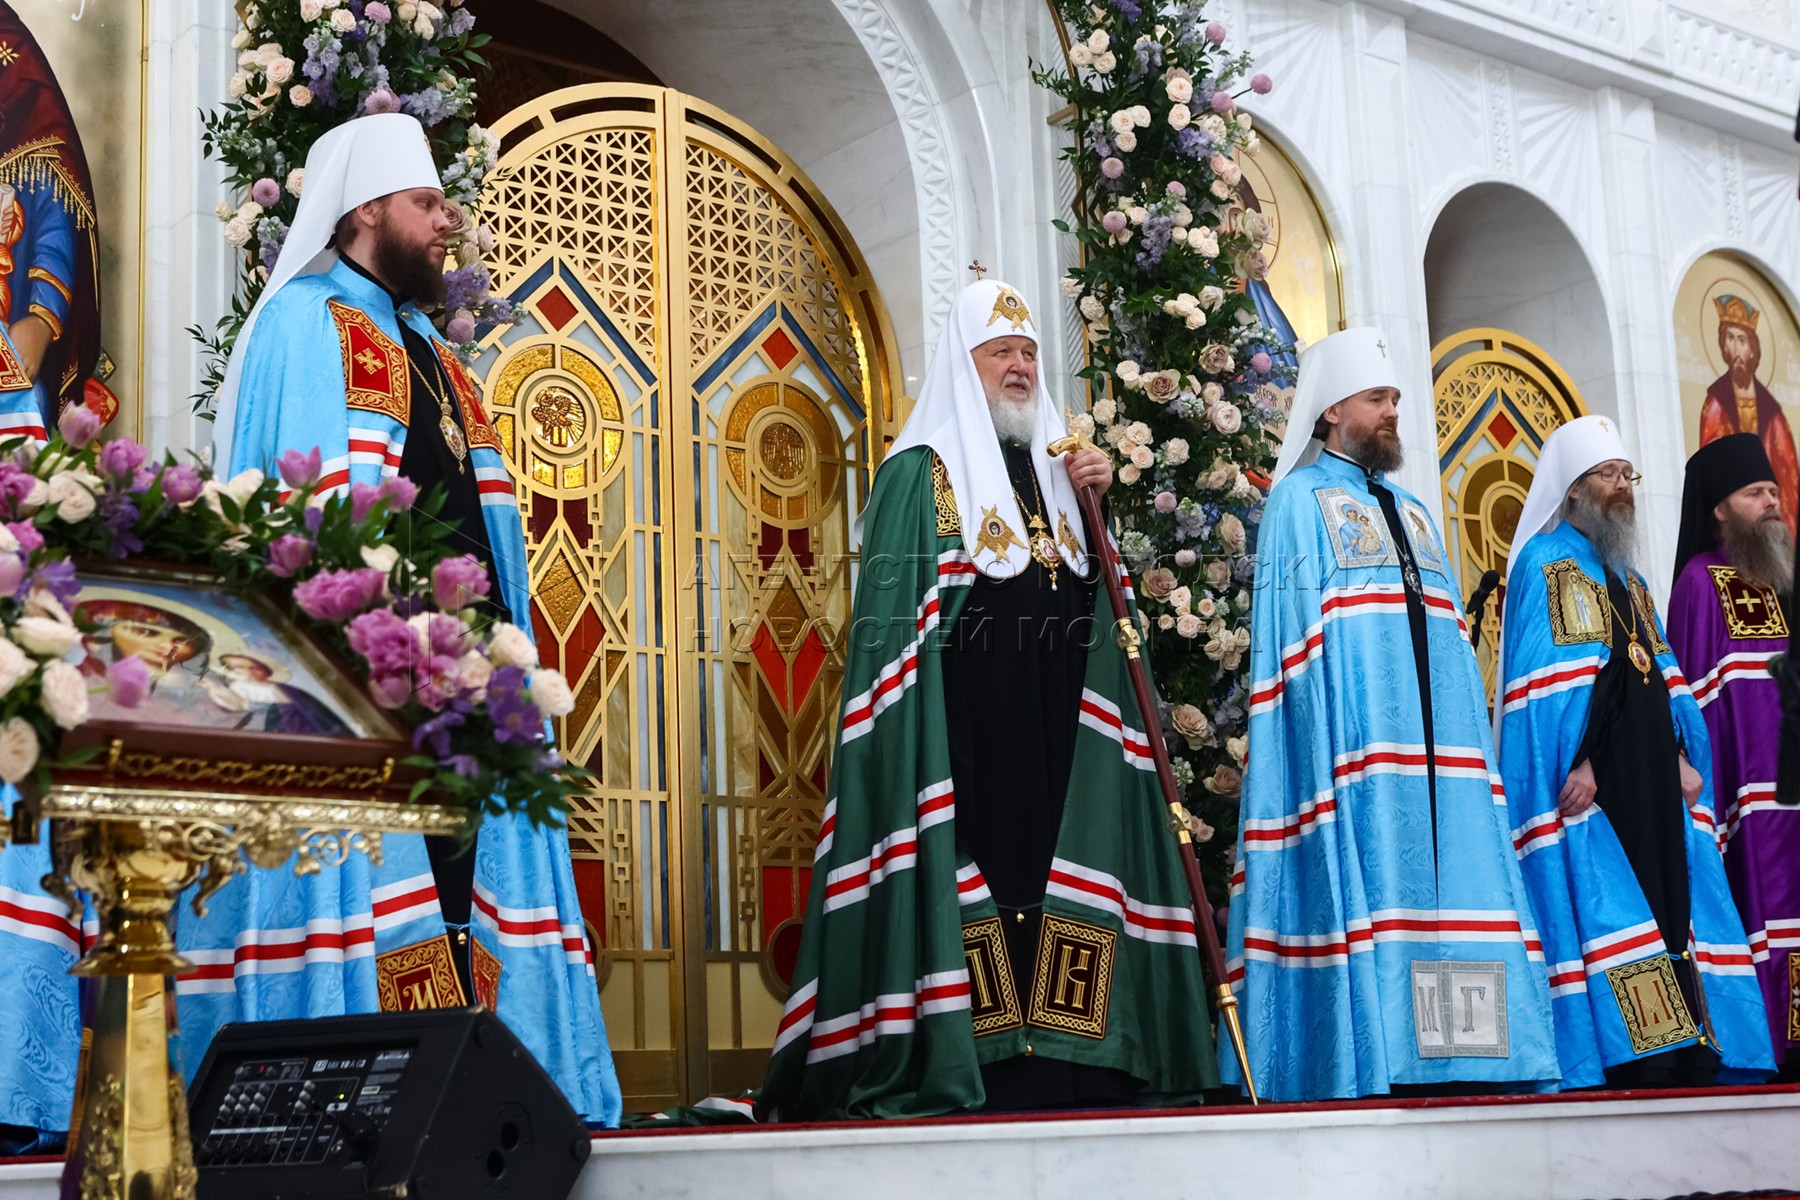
1477	605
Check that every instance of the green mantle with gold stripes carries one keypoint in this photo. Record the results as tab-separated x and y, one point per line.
901	990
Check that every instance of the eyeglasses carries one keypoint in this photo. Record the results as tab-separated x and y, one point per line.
1610	475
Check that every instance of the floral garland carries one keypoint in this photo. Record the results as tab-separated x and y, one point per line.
1187	390
409	623
305	66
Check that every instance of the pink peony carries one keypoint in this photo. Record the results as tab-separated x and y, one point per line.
1112	168
385	640
130	679
1260	84
300	471
1222	102
1260	363
400	492
1113	221
79	425
340	595
391	691
378	12
121	458
265	192
180	483
289	554
457	583
381	101
1165	502
1215	33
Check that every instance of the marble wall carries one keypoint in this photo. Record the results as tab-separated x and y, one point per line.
1647	131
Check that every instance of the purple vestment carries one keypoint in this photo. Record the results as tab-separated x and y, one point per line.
1724	632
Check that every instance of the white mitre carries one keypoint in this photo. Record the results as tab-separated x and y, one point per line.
1332	369
1569	453
356	162
951	416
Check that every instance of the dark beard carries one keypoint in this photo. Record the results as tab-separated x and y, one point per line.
1741	376
408	270
1762	552
1380	451
1611	527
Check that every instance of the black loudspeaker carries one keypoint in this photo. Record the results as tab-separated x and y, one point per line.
437	1104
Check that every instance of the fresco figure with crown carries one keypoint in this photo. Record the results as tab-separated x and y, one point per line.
1737	401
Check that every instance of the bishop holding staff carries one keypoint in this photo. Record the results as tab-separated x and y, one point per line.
1728	620
1608	771
1379	934
998	917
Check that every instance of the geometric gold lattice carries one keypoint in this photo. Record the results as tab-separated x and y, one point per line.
691	400
1496	397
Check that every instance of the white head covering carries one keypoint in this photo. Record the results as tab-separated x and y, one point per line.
1332	369
356	162
1569	453
951	417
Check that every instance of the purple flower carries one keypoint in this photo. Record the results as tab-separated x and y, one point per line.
180	483
30	540
466	287
385	640
459	582
381	101
1222	102
57	578
1260	84
435	733
79	425
377	12
120	516
400	492
1128	9
1165	502
1113	222
121	457
300	471
363	497
313	517
1112	168
516	719
1177	189
1215	33
266	192
339	595
460	329
464	764
1194	143
130	679
289	554
1261	362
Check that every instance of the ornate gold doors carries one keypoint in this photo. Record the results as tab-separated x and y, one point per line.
690	399
1496	397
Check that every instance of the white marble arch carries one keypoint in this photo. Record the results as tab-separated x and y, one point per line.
1500	256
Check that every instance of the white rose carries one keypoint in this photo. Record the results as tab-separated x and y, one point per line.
1143	458
1090	308
343	20
1180	89
240	40
300	95
550	692
280	71
1140	116
1080	56
1082	425
1204	241
296	180
237	232
1105	409
1213	125
1165	622
14	666
382	558
1180	598
1180	116
422	26
36	498
1126	142
1129	474
243	485
18	749
1138	213
1212	393
407	11
1120	121
473	671
311	10
1227	418
1175	451
65	694
249	210
1188	625
1195	320
74	501
510	647
1098	41
1212	298
46	637
1137	431
1104	63
237	86
1071	286
1127	370
224	212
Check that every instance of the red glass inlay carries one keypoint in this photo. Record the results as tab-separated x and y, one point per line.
1502	430
780	348
555	308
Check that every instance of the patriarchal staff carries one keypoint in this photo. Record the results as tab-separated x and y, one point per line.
998	917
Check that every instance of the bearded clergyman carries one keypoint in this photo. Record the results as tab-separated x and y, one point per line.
1728	620
1608	772
998	919
1379	933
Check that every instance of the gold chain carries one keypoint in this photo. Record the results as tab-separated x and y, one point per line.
1037	529
453	434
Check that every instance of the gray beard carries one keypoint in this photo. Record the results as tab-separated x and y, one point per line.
1762	552
1613	535
1014	422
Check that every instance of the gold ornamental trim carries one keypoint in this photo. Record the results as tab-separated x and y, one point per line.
1751	610
313	777
949	521
422	975
1579	608
1072	980
994	1001
1793	1008
1656	1015
108	803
